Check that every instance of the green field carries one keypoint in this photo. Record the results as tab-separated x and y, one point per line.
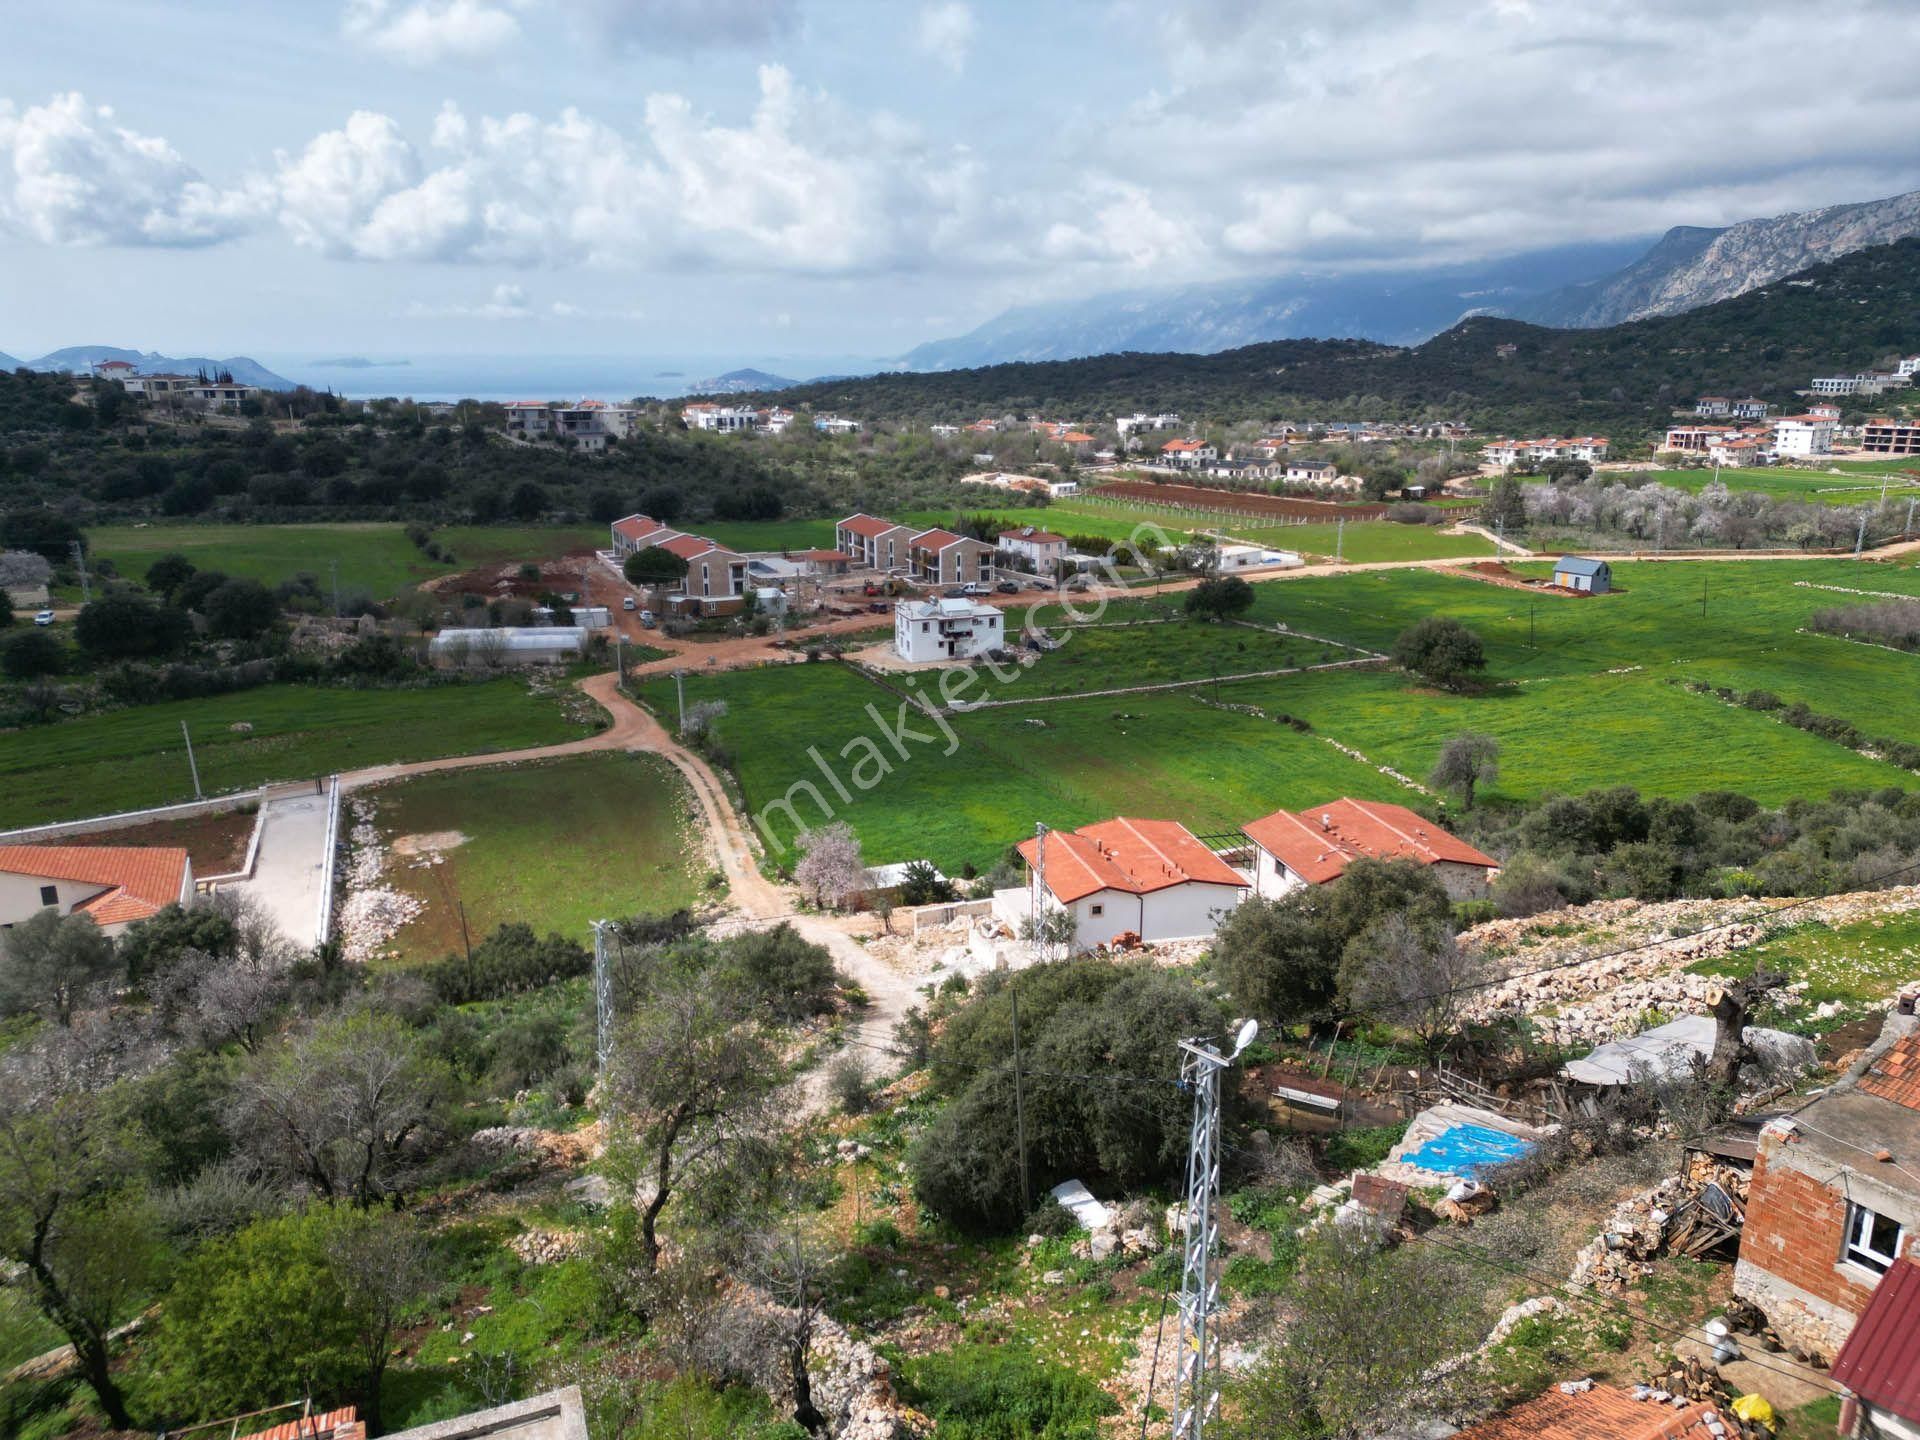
375	558
555	845
1783	483
131	759
1865	960
1564	722
1115	656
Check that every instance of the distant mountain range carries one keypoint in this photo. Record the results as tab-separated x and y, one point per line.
78	358
1398	307
358	362
1488	370
1576	286
1691	266
743	382
7	362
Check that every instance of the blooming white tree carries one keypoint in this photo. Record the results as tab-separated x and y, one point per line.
830	871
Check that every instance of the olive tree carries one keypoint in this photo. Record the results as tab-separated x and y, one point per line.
51	962
1466	762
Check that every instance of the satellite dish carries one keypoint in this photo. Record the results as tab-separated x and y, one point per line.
1248	1030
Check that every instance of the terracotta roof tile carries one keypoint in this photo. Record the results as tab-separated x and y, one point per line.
1600	1412
934	540
638	527
1318	843
1136	856
1895	1075
329	1425
871	526
137	880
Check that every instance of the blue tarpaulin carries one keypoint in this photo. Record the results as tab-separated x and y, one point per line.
1467	1150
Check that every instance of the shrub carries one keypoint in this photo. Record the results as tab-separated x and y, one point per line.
508	962
1002	1392
849	1083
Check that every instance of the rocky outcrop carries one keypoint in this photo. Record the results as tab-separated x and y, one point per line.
1691	266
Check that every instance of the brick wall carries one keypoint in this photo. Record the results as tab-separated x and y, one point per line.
1789	1254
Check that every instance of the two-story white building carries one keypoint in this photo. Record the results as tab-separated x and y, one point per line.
1038	551
1188	454
1151	878
929	630
707	415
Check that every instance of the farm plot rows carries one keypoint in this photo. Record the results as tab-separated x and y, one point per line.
1232	502
1583	699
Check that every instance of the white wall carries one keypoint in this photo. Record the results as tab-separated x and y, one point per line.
20	896
1271	879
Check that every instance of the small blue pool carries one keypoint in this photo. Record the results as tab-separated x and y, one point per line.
1467	1151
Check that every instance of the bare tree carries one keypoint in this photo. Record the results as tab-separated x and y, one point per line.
1412	975
1053	932
791	1268
52	962
700	717
346	1110
830	871
384	1266
23	570
1467	761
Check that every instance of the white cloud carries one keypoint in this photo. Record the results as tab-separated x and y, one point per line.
945	31
70	176
803	185
683	25
508	302
427	32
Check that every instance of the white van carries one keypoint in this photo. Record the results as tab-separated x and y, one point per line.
629	603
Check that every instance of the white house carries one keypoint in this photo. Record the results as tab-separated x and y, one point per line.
1316	845
1802	435
1835	384
638	532
1738	451
1151	878
926	630
1127	424
1312	472
1038	550
834	425
1713	407
1750	408
706	415
112	885
219	396
1909	365
1188	454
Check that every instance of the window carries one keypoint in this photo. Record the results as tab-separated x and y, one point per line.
1096	909
49	895
1873	1240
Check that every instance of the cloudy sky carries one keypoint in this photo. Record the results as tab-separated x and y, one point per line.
850	177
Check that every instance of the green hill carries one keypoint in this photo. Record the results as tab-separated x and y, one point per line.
1769	342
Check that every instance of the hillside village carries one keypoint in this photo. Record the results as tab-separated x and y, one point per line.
760	918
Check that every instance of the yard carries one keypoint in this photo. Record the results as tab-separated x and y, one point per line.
1866	960
1579	698
131	759
1782	482
555	845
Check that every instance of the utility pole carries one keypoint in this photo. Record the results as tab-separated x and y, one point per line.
192	764
1533	608
80	560
1907	529
1703	597
680	693
1339	538
1195	1397
335	565
1860	540
602	998
1019	1099
1039	883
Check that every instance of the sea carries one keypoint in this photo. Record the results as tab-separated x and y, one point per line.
547	377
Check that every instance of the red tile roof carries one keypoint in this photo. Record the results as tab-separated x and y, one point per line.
1881	1360
1075	437
330	1425
871	526
1895	1075
1038	537
1600	1412
934	540
689	547
138	880
1137	856
637	527
1318	852
1184	445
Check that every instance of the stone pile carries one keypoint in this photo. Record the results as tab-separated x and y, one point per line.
372	913
545	1247
852	1386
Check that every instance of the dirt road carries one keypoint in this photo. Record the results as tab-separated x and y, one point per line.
761	902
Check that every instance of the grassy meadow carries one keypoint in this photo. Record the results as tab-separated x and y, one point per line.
131	759
1857	484
1582	693
374	557
555	844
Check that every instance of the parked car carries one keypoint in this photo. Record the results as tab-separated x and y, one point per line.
974	587
45	617
629	603
1007	587
646	618
954	592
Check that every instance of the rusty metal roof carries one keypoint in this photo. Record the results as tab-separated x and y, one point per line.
1881	1360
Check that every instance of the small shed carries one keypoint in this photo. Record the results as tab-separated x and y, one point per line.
1668	1052
1589	577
